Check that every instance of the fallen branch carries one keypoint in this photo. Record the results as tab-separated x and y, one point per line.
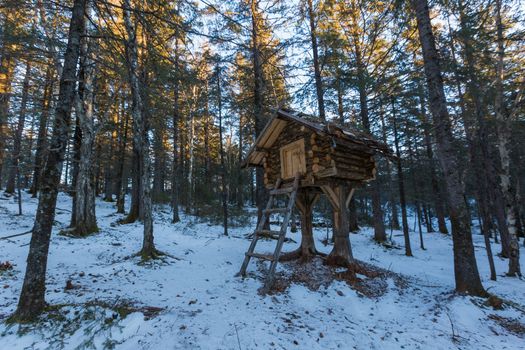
16	235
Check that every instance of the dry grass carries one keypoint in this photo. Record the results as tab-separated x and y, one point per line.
367	280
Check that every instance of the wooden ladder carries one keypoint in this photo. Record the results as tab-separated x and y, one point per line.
291	191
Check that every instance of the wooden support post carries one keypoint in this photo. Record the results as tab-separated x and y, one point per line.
340	196
305	201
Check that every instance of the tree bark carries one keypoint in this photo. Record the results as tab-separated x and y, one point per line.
436	190
466	271
159	165
84	221
175	171
401	184
7	66
394	222
317	69
224	189
504	137
305	202
40	153
32	296
258	93
121	185
379	226
17	147
341	254
140	132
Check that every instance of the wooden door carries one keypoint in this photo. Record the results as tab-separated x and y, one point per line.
293	159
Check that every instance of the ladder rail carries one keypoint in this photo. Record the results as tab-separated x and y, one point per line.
260	226
266	214
282	236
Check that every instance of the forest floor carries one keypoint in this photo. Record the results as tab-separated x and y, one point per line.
191	299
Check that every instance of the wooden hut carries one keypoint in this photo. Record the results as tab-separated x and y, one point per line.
303	158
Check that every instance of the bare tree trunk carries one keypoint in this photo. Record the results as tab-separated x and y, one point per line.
401	184
121	181
415	183
341	253
339	90
305	202
207	137
85	221
379	226
17	148
353	224
191	158
140	132
32	297
7	66
504	137
175	171
317	70
136	186
224	185
109	178
436	190
465	268
160	164
258	93
394	222
40	153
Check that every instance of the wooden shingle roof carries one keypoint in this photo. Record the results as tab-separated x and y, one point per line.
354	139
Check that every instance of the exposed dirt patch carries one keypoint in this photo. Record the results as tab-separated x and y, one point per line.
368	280
512	325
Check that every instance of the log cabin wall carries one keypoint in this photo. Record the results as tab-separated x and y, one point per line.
332	153
325	156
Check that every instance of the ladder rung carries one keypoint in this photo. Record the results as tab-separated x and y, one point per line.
276	210
279	191
260	256
267	233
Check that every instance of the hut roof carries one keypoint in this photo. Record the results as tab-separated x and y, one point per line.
284	117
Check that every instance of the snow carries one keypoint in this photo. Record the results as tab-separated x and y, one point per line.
204	306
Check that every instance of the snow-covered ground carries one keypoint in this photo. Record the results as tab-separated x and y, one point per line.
195	302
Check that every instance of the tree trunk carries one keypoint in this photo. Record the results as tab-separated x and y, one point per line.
436	190
17	148
159	164
136	186
340	106
258	93
121	181
504	137
40	153
239	191
175	169
224	191
305	202
84	221
477	136
401	184
140	132
109	178
394	222
32	296
379	226
7	66
465	268
415	182
317	70
353	224
341	253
